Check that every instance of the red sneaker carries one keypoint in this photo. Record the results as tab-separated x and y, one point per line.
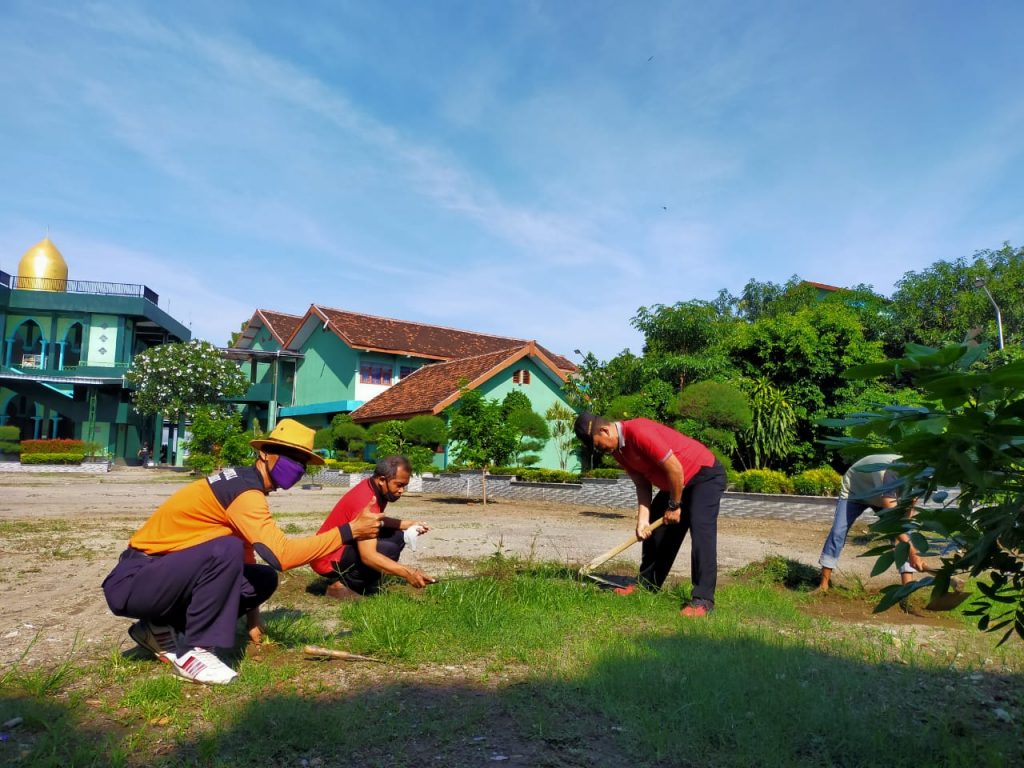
625	590
695	611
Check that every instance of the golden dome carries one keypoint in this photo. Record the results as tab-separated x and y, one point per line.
42	268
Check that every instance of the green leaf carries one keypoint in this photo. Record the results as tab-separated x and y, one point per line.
883	563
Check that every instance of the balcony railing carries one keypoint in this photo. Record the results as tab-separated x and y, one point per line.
78	286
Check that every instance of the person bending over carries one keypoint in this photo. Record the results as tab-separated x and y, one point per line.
864	489
190	571
691	483
357	570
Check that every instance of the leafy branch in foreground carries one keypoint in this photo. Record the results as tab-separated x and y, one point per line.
969	436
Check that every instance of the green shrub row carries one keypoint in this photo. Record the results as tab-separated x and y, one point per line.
52	458
812	482
9	437
349	465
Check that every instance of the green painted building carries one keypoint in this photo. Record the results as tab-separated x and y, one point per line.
332	361
66	345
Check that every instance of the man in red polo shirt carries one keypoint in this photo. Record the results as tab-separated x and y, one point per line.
690	482
357	570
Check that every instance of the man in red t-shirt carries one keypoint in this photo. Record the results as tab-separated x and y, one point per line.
357	570
690	482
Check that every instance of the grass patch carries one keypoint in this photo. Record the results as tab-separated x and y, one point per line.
525	663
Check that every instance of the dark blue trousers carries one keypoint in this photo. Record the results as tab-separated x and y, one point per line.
358	576
702	496
200	591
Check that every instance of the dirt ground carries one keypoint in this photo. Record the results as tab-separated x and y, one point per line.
61	534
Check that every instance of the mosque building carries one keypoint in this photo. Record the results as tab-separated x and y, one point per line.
65	346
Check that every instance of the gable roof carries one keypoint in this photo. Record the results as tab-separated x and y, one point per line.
402	337
281	325
434	387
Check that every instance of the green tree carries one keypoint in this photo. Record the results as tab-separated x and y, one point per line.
687	342
348	437
387	437
713	412
482	436
217	439
969	435
772	431
178	379
561	419
532	434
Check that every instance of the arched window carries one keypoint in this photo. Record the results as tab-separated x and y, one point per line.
73	346
28	345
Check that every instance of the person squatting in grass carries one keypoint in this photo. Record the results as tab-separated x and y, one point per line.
190	571
862	489
356	571
691	482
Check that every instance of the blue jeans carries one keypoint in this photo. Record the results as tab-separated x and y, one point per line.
847	513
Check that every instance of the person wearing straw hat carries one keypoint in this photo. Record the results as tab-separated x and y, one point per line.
190	571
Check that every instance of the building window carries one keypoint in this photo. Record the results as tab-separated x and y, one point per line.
521	376
404	370
375	374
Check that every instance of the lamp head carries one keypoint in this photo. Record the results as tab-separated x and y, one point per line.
979	282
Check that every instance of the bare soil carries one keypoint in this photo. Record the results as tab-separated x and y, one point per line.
60	535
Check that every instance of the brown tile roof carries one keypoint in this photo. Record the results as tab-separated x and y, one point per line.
434	387
384	334
280	324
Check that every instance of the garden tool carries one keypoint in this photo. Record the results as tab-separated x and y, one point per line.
316	652
606	556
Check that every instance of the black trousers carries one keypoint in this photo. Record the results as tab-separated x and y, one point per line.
358	576
702	496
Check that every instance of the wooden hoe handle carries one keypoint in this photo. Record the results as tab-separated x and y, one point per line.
606	556
316	652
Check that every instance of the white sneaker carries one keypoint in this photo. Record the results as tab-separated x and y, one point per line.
202	666
161	641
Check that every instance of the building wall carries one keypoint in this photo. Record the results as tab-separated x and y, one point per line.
543	392
327	372
105	334
395	363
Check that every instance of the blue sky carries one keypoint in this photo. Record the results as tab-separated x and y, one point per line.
531	169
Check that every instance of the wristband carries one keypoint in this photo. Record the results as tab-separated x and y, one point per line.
346	534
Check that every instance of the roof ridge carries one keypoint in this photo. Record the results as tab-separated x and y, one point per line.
417	322
286	314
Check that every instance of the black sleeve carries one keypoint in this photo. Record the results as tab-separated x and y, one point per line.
346	534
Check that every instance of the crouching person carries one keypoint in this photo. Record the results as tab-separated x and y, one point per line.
357	570
190	571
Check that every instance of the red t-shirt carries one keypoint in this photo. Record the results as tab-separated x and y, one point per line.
345	511
645	444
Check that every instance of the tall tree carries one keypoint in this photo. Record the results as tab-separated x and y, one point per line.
481	435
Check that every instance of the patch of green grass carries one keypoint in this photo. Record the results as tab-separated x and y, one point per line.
153	697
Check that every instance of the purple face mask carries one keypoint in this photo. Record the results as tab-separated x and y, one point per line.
286	472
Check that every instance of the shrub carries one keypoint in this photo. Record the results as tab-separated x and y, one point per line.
548	476
9	437
818	482
53	446
348	466
764	481
605	473
732	478
52	458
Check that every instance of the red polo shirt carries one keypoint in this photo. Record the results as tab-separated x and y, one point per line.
345	511
644	445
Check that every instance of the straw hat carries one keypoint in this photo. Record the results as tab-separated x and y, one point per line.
290	434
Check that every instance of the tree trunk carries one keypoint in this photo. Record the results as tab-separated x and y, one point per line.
483	482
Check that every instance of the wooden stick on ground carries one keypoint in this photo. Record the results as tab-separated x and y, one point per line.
606	556
316	652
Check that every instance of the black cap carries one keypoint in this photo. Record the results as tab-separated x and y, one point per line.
585	425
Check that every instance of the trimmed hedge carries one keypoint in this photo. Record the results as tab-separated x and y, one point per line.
9	437
52	447
349	465
764	481
607	474
818	482
52	458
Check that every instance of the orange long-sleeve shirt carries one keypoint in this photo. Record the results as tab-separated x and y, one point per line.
229	503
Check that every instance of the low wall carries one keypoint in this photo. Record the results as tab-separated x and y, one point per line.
591	492
91	467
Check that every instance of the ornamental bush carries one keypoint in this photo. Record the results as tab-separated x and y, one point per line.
818	482
764	481
9	437
608	474
52	446
52	458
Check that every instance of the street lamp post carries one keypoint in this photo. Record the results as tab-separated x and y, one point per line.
979	282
